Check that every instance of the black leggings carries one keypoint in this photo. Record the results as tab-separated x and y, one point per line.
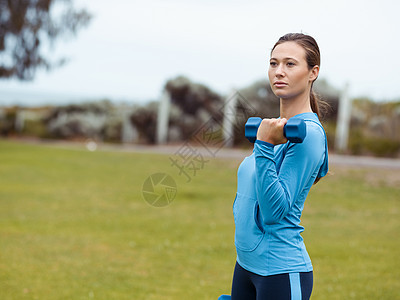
289	286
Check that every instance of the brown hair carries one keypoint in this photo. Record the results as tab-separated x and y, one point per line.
313	58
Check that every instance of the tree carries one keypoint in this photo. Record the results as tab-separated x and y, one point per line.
27	25
145	121
193	97
261	97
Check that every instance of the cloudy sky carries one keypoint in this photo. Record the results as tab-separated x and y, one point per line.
132	47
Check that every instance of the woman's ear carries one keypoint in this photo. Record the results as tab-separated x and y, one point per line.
314	73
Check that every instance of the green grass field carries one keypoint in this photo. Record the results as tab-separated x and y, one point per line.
74	225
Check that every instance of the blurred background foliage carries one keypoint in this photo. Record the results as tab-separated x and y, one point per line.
374	128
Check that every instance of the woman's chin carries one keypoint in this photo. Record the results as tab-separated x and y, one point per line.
282	95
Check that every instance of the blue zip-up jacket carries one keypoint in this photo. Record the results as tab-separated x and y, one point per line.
273	183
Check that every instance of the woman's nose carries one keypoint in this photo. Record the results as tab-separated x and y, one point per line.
279	70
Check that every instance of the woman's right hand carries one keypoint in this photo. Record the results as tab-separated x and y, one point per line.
271	131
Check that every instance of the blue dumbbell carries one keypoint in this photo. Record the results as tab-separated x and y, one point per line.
294	130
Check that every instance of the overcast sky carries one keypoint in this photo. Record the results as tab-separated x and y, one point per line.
131	47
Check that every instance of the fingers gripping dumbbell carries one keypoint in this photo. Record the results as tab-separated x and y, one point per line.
294	130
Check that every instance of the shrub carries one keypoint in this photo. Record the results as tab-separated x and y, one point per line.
382	147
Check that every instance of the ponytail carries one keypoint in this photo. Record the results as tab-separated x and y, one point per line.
314	103
318	105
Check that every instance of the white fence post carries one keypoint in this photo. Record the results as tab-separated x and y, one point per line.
129	133
19	120
229	118
163	118
343	120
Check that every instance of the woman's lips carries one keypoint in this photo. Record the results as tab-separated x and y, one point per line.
280	84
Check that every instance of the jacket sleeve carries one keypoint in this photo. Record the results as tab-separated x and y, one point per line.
277	191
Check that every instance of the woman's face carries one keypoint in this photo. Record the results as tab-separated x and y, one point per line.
288	72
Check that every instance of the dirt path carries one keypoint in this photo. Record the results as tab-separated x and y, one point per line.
334	159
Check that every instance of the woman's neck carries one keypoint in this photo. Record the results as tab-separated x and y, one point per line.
291	107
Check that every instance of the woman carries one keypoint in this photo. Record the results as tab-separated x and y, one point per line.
273	183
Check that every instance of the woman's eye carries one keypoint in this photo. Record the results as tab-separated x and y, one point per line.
290	64
272	64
